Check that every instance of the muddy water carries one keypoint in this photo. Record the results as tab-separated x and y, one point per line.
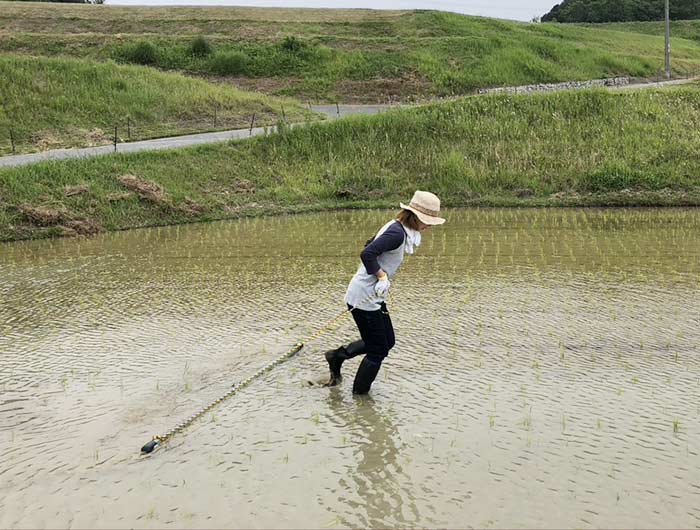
546	374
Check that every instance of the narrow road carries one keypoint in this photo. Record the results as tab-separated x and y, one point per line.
333	111
654	84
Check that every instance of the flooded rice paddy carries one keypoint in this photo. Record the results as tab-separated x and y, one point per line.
546	374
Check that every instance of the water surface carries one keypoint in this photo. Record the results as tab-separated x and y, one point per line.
546	374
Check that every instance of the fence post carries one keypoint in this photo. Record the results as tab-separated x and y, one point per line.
115	138
252	121
12	141
337	109
128	127
284	116
215	112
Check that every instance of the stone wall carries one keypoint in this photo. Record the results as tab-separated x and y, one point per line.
547	87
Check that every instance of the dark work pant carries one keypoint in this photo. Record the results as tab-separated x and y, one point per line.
376	331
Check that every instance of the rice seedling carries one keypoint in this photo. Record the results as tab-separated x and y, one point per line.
336	521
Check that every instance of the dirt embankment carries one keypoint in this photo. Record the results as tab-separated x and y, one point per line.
52	217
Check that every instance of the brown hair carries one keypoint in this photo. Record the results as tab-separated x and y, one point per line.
408	218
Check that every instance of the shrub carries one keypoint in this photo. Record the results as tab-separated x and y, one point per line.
228	63
292	44
143	52
200	47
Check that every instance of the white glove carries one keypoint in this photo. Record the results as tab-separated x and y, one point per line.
381	288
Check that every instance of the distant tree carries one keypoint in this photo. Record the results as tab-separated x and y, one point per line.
620	10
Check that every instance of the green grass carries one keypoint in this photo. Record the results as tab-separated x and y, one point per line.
680	29
346	55
576	148
58	102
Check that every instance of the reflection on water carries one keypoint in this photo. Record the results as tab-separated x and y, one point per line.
387	492
545	374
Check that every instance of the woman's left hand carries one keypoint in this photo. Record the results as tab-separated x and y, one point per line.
381	288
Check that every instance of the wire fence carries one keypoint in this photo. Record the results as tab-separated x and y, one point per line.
127	129
679	72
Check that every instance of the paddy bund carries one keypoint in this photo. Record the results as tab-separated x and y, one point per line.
543	149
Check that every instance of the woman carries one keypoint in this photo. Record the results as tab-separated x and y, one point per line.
368	289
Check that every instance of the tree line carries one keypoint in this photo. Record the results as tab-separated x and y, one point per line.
65	1
621	10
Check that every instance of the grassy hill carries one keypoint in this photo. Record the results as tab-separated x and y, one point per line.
346	55
541	149
60	102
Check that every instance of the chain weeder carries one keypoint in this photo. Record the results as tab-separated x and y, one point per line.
158	440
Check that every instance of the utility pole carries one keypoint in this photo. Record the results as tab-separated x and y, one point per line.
668	42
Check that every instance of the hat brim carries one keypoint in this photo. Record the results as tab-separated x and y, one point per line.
424	218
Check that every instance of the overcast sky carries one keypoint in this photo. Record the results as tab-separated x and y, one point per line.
510	9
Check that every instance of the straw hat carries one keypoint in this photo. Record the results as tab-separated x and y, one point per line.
426	206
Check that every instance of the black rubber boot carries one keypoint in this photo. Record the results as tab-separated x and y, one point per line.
336	358
366	374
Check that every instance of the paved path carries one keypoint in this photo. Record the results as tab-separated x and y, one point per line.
333	111
177	141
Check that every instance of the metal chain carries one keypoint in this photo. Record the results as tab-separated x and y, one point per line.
158	439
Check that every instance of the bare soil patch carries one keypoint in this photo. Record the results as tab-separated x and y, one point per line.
192	207
119	196
59	217
83	227
44	215
408	88
70	191
244	186
145	189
